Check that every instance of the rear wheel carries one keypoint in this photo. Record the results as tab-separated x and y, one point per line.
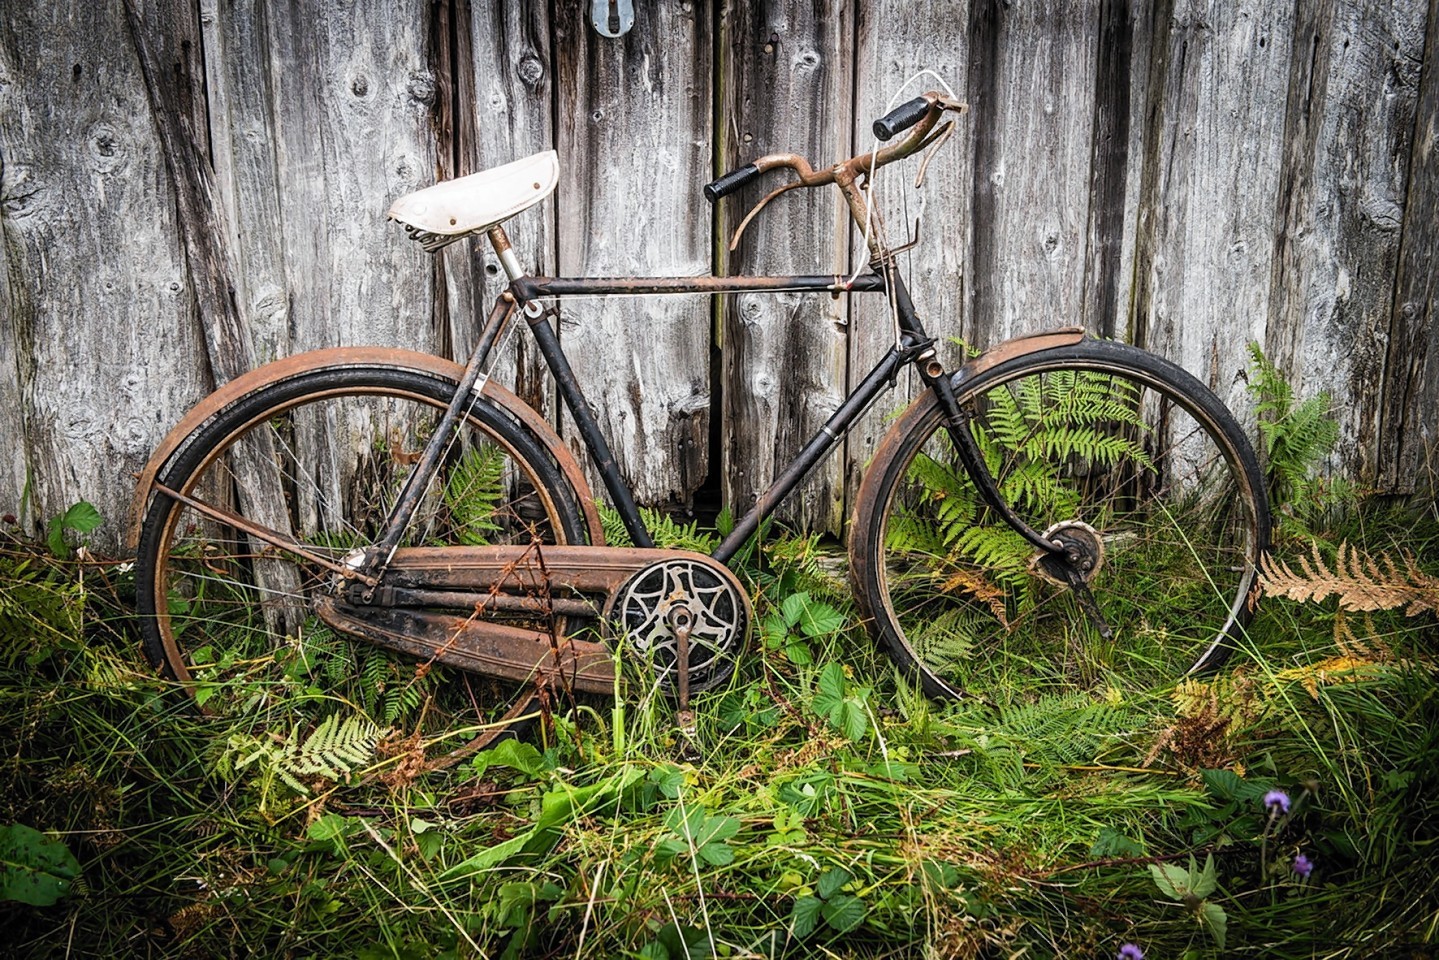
1106	447
321	457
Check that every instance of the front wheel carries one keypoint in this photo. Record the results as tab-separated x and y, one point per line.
1113	450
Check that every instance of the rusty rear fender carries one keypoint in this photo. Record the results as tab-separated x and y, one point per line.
302	363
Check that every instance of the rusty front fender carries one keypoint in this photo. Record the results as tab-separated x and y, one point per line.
924	404
336	357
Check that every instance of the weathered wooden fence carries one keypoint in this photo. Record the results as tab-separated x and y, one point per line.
190	187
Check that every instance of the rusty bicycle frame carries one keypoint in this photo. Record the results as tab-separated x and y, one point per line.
390	594
913	346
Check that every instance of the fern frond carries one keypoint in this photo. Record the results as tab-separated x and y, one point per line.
614	528
333	750
1360	581
473	493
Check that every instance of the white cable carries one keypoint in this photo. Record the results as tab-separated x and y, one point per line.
872	185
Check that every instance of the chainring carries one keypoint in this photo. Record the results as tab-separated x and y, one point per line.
651	602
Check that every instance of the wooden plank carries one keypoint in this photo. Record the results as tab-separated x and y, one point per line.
1354	83
246	169
97	301
1213	148
1408	457
1031	88
634	130
512	109
207	259
322	116
1105	300
787	89
896	39
14	459
1148	31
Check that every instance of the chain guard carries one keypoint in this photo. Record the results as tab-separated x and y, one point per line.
641	616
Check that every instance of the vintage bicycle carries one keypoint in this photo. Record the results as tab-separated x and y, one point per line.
1056	507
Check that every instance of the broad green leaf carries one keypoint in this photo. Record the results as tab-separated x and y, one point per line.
830	882
805	916
333	826
831	690
793	608
1215	920
851	719
799	654
717	854
1112	843
560	804
1172	880
774	630
490	856
510	753
843	912
82	517
1228	785
669	779
820	619
1207	880
940	874
717	829
685	820
34	868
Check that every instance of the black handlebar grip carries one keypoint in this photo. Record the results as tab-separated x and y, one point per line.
731	182
901	118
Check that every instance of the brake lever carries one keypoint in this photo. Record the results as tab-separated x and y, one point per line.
936	140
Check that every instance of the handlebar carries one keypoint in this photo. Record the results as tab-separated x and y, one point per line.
731	182
901	118
921	113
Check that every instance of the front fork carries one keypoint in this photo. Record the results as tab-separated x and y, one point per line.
1063	560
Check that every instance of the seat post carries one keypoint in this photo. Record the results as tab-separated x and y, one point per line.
506	253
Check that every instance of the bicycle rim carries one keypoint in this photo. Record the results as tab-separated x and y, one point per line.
1120	452
322	458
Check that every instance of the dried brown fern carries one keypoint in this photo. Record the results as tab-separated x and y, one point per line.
1361	582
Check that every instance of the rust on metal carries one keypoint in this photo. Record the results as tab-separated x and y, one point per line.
273	537
1018	347
532	583
924	405
479	646
331	358
532	288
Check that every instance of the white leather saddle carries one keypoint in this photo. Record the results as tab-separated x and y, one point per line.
447	211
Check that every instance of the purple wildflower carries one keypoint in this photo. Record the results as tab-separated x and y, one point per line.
1303	866
1130	952
1277	800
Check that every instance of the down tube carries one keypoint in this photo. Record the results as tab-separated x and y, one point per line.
879	380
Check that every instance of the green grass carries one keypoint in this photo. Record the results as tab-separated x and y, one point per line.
827	809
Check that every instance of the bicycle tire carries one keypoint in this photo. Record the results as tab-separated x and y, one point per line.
330	446
1100	433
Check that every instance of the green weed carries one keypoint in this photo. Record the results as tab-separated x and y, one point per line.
832	810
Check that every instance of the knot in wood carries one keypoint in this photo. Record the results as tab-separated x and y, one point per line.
530	70
422	88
